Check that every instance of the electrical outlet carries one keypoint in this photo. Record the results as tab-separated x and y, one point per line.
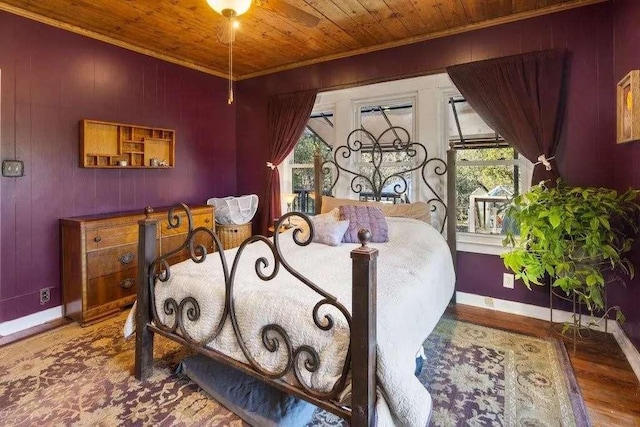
45	295
508	280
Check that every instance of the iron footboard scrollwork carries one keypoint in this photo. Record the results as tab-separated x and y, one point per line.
377	180
275	338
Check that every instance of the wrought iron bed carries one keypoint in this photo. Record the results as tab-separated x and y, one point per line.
360	360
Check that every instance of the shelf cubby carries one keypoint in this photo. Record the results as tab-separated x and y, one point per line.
105	144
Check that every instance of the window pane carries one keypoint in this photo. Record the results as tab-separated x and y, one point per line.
302	182
318	136
394	183
378	118
482	192
321	124
471	125
486	154
302	178
307	146
391	156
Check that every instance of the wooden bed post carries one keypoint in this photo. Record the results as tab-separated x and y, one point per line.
147	229
317	182
363	332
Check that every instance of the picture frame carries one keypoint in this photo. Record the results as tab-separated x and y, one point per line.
628	108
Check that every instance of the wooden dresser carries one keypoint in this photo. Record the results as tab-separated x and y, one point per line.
99	258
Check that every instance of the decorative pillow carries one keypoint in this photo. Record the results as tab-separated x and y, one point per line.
417	210
329	233
368	217
332	216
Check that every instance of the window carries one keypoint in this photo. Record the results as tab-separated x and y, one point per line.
318	135
379	119
488	172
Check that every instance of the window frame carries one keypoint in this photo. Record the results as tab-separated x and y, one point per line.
490	244
399	98
286	168
430	95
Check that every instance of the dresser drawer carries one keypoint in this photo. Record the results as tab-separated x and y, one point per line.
106	237
112	287
108	261
199	220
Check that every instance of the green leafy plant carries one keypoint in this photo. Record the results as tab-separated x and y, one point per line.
577	236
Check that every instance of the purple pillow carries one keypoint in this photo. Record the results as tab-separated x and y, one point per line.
368	217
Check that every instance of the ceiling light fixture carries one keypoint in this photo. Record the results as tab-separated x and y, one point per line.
230	9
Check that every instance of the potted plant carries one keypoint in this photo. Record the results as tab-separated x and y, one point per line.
576	236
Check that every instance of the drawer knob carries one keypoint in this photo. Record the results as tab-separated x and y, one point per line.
97	239
127	283
206	221
126	258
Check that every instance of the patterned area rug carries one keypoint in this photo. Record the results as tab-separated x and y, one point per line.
486	377
82	376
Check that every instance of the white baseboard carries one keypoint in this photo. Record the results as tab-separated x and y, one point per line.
26	322
537	312
629	350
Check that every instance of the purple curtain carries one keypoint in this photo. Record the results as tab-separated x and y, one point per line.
522	98
288	114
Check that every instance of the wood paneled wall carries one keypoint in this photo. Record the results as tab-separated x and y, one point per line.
50	80
627	156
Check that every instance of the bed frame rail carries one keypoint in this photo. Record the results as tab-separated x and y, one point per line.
360	359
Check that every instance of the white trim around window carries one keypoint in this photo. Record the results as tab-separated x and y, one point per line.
489	244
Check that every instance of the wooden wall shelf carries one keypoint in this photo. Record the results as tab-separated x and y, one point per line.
106	144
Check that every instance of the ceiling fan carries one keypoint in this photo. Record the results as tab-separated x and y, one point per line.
234	8
289	12
231	9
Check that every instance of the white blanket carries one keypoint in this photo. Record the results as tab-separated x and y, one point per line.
415	283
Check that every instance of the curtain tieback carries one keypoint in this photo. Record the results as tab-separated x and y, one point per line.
271	165
542	159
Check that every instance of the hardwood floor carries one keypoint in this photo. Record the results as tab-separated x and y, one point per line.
609	386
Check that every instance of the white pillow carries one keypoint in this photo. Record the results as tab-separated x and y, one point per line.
329	233
332	216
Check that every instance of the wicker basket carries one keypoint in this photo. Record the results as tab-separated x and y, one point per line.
232	235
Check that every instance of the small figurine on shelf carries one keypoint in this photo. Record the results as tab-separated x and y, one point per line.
163	163
154	162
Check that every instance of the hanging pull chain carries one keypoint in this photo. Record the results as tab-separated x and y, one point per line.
231	34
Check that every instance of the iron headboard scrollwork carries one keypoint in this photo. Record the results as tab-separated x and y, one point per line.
361	141
275	338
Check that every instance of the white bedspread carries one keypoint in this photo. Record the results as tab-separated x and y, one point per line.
415	283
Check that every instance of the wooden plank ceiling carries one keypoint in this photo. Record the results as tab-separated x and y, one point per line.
274	36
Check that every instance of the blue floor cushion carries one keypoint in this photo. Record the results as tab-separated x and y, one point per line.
257	403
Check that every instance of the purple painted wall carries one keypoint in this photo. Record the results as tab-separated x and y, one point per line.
585	156
51	79
627	156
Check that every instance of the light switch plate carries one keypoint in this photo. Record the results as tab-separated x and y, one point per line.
12	168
